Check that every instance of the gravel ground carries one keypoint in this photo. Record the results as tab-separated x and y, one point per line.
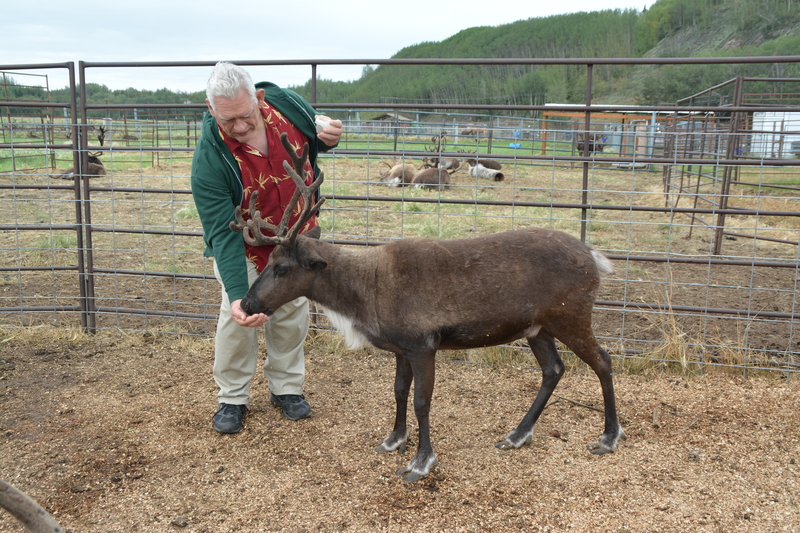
112	433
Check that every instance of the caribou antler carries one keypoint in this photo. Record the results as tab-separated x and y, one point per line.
284	235
26	510
437	148
101	137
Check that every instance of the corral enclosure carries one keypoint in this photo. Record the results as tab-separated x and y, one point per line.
702	231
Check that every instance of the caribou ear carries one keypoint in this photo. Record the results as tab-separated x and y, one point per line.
314	232
310	260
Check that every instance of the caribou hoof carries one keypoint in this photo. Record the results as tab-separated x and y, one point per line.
392	443
607	444
413	472
512	441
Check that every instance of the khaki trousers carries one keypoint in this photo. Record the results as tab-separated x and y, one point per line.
236	349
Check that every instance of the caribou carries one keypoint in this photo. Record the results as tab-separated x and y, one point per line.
399	174
413	297
485	168
404	174
432	178
95	167
596	143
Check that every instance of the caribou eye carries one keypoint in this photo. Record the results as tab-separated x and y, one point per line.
281	270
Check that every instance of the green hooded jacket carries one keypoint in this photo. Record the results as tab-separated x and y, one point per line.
216	183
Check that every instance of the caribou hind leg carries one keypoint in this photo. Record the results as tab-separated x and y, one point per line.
584	344
613	432
543	347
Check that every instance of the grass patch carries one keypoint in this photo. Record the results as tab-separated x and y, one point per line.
187	212
33	335
56	249
56	240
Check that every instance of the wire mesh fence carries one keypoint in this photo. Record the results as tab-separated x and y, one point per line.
705	246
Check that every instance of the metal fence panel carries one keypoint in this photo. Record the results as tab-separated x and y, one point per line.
703	231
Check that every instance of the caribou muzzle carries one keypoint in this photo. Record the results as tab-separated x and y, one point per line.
252	307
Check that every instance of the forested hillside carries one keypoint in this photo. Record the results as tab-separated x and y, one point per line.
669	28
596	34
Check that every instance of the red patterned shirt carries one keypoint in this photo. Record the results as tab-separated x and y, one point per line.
265	174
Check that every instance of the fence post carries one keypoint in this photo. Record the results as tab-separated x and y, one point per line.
730	152
489	135
90	309
587	123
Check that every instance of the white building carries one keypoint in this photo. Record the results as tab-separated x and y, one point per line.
775	135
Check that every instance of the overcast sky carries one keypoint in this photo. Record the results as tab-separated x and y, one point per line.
56	31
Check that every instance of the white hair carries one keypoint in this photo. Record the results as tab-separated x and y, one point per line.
227	80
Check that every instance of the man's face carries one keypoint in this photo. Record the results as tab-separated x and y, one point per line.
238	117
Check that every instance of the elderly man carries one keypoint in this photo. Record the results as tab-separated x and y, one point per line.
240	152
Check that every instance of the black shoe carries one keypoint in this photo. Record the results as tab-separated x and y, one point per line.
294	406
229	418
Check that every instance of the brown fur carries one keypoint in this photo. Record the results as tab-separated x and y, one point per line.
488	163
95	169
415	296
596	143
432	178
398	175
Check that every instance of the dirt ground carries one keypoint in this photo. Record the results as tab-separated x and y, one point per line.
112	432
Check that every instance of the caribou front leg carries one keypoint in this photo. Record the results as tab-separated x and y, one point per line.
398	438
424	368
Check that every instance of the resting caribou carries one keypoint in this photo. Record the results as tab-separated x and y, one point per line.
413	297
95	167
485	168
398	174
